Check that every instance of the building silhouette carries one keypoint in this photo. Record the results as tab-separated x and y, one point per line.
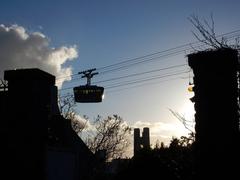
141	141
36	141
217	112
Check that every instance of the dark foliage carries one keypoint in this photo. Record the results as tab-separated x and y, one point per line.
175	162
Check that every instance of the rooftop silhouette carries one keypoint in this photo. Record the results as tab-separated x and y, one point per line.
37	142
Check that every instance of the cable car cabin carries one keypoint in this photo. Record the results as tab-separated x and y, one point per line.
88	94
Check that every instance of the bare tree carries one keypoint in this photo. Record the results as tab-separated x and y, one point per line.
66	106
188	124
3	85
207	35
111	135
207	32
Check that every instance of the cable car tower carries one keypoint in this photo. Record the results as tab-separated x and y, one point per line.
88	93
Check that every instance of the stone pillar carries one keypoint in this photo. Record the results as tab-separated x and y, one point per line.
137	140
145	138
141	142
217	117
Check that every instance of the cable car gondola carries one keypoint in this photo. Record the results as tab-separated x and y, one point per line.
85	94
88	93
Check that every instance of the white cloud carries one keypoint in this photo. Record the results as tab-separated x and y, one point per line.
88	126
21	49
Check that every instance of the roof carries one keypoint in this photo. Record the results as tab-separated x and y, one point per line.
30	74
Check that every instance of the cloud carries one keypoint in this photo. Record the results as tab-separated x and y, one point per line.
88	126
22	49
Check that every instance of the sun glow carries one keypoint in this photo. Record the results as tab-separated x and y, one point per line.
188	110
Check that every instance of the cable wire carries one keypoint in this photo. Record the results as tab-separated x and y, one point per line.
160	52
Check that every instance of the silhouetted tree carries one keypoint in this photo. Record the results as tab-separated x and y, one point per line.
111	135
175	143
175	162
187	141
66	106
3	85
188	124
159	145
206	34
184	141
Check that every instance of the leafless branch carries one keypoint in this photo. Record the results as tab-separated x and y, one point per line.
111	136
186	123
207	33
66	107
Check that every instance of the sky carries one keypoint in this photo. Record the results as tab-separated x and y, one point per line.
126	41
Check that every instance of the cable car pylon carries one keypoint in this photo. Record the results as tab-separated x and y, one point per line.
88	93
